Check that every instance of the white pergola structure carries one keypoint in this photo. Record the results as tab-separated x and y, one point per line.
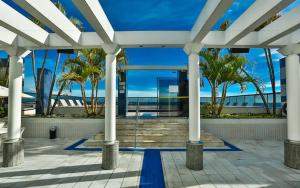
18	34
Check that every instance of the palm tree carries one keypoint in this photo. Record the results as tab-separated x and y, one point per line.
37	81
80	72
78	24
269	60
257	84
222	71
89	65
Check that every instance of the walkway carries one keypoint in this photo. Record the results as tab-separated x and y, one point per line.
260	164
48	165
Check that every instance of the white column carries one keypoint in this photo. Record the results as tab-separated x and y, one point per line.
15	97
293	96
192	50
194	97
110	98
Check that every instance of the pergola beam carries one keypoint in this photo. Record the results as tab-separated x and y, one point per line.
211	13
46	12
7	37
155	39
131	39
19	24
280	27
95	15
170	68
292	38
253	17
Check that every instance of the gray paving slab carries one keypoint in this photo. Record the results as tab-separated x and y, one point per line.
47	164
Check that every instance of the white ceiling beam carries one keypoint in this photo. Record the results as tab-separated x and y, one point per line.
46	12
292	38
6	36
152	38
19	24
95	15
156	39
132	67
211	13
284	25
253	17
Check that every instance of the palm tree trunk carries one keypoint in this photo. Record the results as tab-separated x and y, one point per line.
214	97
57	96
39	100
52	84
224	92
92	94
272	78
33	68
84	99
259	91
96	104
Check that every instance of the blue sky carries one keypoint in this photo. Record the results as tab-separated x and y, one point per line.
158	15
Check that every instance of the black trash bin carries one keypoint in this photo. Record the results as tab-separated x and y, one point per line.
52	132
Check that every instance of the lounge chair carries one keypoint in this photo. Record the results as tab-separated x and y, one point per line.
78	103
72	102
63	102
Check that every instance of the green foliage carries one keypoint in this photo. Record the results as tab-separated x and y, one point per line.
222	71
3	112
240	116
88	68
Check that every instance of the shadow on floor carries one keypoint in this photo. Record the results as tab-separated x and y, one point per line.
65	180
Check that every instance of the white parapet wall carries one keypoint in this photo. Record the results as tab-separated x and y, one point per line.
66	127
267	129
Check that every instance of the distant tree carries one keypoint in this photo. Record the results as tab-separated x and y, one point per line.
38	78
255	81
222	71
269	60
89	65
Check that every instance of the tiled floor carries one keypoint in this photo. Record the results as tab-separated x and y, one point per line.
48	165
259	165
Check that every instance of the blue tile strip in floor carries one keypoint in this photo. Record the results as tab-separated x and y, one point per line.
152	173
75	147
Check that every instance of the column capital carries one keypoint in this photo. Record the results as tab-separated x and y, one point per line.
112	48
17	51
290	49
192	48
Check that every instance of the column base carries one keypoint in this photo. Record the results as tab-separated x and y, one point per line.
110	155
194	155
292	154
13	153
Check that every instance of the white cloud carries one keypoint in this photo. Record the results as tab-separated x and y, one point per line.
152	92
274	52
77	92
205	94
268	84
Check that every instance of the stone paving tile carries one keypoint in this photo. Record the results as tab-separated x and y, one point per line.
260	164
47	164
